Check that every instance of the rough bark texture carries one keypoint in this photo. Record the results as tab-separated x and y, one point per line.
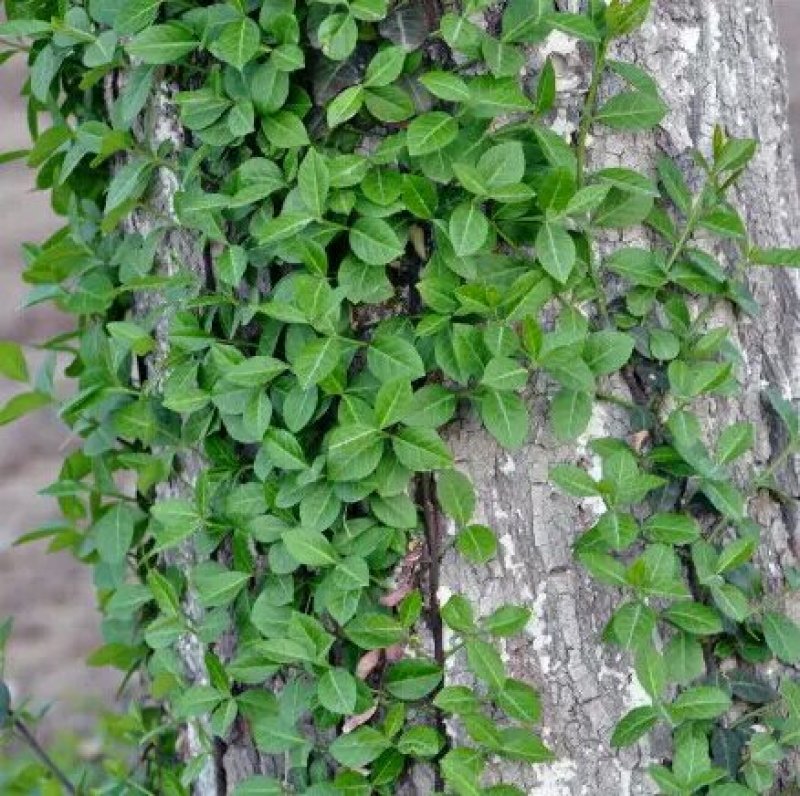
716	61
158	126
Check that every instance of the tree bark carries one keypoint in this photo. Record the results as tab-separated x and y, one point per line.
716	61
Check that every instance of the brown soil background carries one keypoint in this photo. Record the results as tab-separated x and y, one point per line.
50	595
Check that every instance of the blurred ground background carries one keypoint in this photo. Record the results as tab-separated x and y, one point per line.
50	596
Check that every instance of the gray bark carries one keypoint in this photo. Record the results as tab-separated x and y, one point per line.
716	61
159	125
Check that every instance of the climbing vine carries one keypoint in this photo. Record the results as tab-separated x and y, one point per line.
299	239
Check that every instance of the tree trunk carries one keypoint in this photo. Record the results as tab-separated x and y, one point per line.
715	61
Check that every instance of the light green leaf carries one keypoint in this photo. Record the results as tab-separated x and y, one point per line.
430	132
421	449
485	663
313	179
555	250
390	357
632	110
782	636
12	361
374	241
113	533
337	691
570	413
456	495
316	361
237	43
162	44
309	548
505	417
476	543
285	130
468	229
345	106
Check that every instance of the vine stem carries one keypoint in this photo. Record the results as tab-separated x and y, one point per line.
589	106
688	230
27	736
587	117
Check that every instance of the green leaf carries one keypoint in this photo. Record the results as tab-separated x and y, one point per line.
231	265
237	43
555	250
430	133
625	16
338	35
684	658
673	529
255	371
694	618
651	671
502	165
731	601
468	229
413	678
337	691
633	625
162	44
420	741
519	744
113	533
523	20
574	481
313	179
375	631
359	748
445	85
734	441
345	106
782	636
700	703
780	258
284	450
22	404
476	543
607	351
136	15
421	449
578	25
216	585
634	725
632	110
276	735
12	361
570	413
505	417
485	663
375	242
520	701
392	402
508	620
504	373
285	226
354	451
317	360
390	357
385	67
284	130
309	548
456	495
